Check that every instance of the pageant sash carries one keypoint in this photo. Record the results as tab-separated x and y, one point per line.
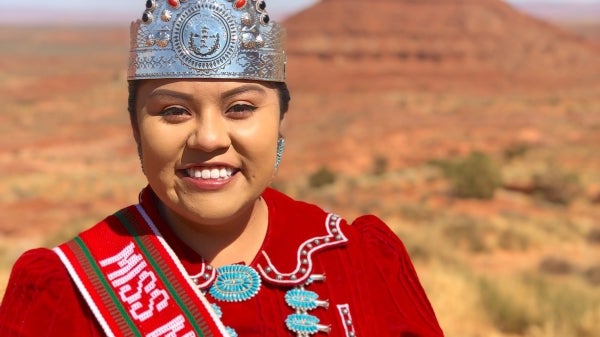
134	283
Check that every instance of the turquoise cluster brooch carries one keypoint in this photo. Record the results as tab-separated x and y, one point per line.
235	283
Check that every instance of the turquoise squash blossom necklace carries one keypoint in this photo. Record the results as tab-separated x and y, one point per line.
239	283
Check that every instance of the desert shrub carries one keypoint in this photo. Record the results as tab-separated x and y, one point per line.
592	275
466	233
474	177
511	239
555	265
557	186
321	178
515	151
593	236
507	313
380	165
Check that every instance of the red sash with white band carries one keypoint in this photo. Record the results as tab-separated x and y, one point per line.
134	283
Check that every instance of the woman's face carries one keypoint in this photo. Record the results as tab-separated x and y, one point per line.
208	147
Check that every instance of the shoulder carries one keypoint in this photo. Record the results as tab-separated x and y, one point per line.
40	264
40	298
38	273
370	231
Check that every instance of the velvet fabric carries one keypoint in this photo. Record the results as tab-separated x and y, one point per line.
370	275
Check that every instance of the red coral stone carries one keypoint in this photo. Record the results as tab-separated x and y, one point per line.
240	4
174	3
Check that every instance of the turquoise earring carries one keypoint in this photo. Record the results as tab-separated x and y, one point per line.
280	148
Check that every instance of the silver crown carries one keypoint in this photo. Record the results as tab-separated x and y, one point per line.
224	39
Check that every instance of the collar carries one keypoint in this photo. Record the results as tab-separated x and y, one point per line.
297	232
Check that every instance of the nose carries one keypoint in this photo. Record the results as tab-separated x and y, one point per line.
210	134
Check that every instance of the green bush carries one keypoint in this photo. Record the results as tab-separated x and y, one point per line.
474	177
321	178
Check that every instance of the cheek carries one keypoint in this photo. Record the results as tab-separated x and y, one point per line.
159	144
260	140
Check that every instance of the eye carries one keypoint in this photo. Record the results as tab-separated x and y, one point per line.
175	114
240	111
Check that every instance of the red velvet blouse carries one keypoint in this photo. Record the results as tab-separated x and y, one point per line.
370	284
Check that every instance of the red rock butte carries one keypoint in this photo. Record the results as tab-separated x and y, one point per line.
433	44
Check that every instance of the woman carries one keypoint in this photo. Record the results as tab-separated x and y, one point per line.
211	250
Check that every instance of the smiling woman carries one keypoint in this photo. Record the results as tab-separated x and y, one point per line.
211	249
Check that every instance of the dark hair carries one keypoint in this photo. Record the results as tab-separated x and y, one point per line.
281	87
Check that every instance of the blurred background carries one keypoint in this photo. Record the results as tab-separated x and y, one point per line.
471	127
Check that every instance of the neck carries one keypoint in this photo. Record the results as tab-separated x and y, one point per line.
231	242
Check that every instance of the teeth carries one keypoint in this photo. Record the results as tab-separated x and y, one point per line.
210	173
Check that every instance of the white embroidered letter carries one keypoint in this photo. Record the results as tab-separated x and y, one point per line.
124	291
144	315
171	329
129	265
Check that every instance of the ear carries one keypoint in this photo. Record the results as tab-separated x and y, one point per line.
283	125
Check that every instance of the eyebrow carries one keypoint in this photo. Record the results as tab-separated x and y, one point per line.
242	89
227	94
171	93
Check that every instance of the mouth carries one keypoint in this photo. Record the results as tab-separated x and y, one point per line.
210	173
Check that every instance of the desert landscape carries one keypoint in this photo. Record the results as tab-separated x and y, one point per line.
470	127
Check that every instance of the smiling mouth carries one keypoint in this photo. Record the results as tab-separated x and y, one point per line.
211	173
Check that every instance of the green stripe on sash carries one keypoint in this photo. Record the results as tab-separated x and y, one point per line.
107	287
131	229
